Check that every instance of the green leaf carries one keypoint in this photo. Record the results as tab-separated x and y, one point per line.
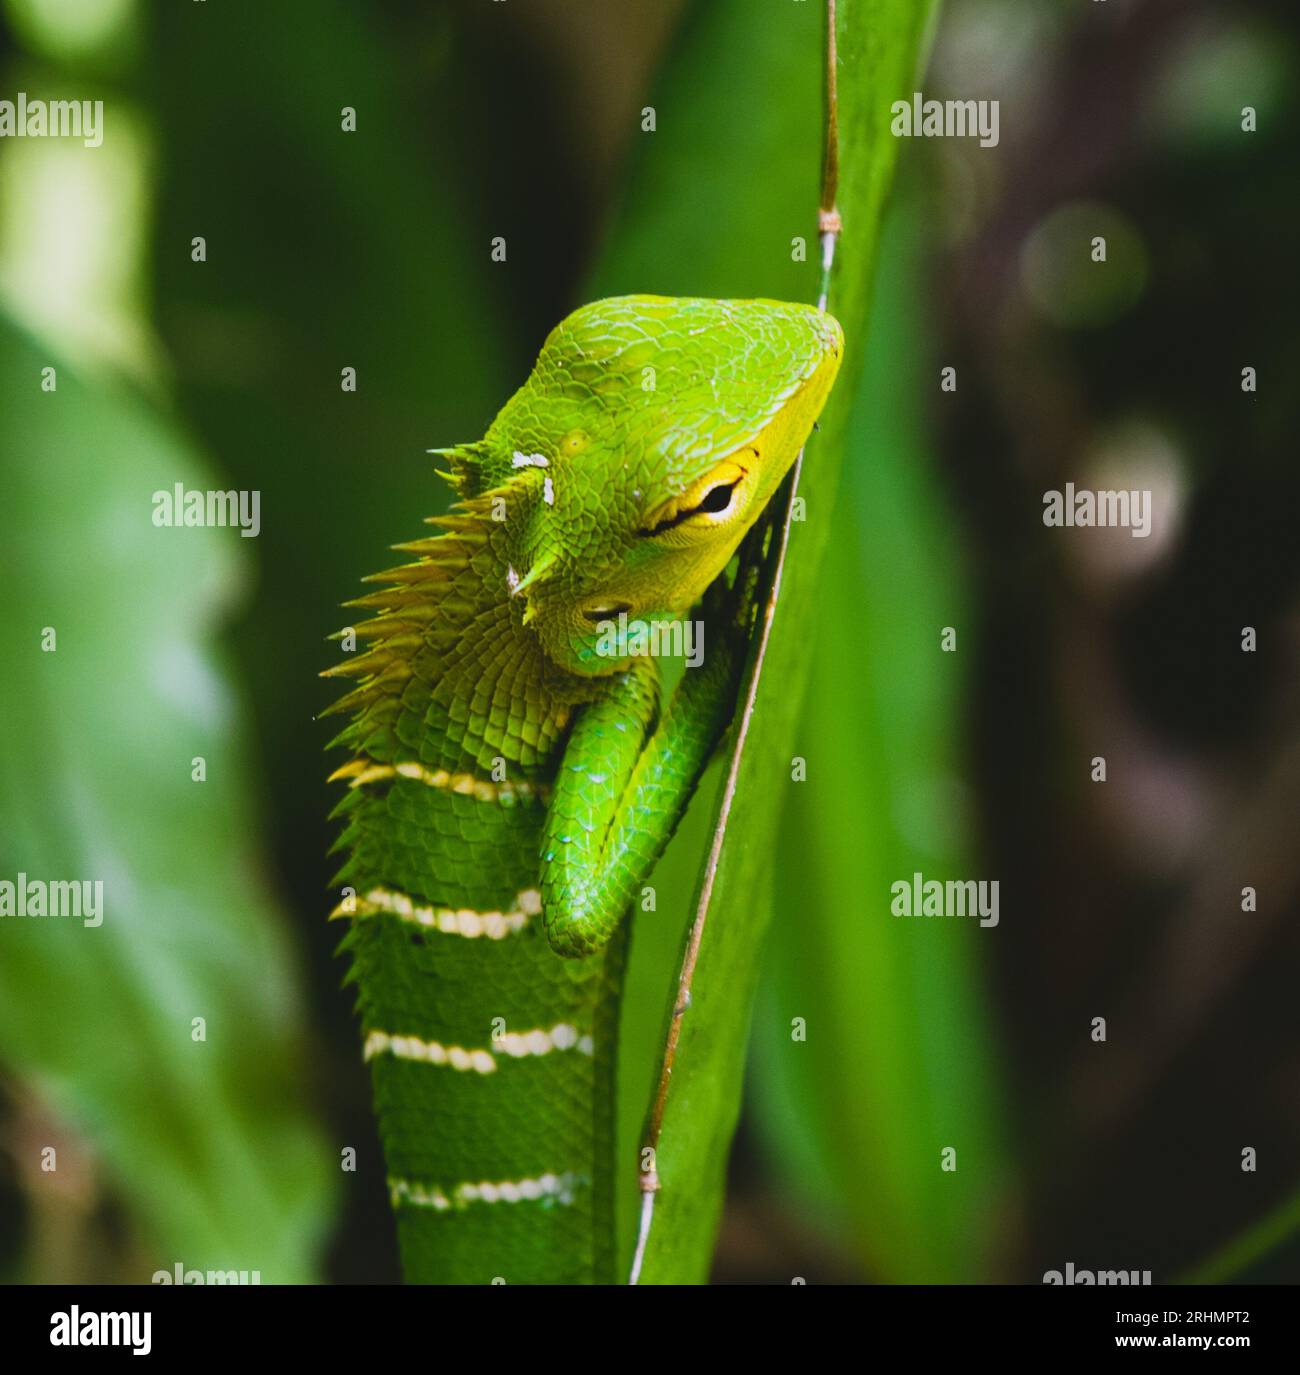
728	184
896	1063
209	1141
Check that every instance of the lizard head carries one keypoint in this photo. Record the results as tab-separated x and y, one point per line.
649	438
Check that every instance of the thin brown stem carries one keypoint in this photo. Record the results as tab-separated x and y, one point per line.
828	215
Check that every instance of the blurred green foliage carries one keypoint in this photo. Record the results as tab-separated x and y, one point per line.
210	1140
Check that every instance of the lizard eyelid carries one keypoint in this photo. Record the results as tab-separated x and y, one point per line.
719	488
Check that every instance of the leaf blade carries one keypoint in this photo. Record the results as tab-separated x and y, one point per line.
719	247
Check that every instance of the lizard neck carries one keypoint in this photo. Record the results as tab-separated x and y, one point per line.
453	677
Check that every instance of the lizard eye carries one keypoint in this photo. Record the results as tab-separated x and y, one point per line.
717	499
605	611
710	501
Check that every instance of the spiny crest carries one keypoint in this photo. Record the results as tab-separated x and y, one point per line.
414	596
508	511
466	464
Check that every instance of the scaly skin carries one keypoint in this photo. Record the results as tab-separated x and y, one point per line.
512	781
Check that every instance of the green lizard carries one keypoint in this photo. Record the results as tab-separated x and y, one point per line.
513	781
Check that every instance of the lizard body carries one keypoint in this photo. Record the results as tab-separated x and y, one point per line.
512	777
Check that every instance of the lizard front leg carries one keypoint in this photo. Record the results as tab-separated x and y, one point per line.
622	786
